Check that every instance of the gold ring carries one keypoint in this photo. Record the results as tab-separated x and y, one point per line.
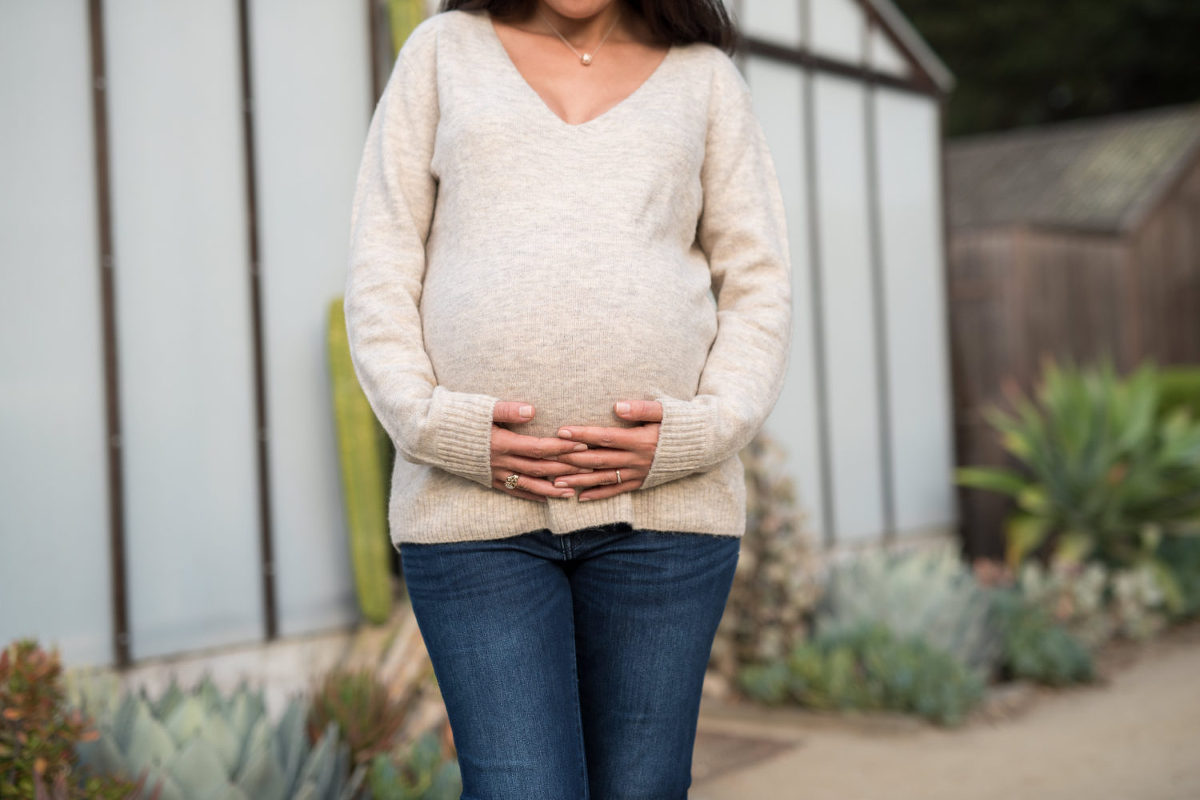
511	481
618	476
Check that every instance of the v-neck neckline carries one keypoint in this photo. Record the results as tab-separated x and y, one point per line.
511	68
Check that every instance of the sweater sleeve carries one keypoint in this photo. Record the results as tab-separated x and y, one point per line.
390	221
743	231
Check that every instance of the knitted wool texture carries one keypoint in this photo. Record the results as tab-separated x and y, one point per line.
498	252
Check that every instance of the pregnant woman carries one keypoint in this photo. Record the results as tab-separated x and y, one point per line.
568	303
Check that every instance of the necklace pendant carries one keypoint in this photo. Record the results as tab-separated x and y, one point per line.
586	58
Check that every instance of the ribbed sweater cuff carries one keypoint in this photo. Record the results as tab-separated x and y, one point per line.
684	441
463	423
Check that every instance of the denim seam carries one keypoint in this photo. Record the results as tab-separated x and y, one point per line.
579	714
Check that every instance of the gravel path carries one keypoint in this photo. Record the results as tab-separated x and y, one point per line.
1133	736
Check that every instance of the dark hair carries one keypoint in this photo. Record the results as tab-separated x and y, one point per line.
670	21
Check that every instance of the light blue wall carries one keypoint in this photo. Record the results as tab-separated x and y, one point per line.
874	171
183	318
54	577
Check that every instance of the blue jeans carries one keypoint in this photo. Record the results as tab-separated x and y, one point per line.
571	664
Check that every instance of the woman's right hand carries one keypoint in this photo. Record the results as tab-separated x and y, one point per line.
530	457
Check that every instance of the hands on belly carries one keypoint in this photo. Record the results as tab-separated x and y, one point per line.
603	461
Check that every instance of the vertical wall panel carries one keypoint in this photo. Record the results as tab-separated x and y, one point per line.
777	92
54	566
312	104
850	356
183	321
918	355
776	21
837	29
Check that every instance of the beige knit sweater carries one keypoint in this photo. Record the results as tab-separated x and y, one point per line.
498	252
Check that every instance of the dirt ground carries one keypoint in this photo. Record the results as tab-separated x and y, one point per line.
1134	735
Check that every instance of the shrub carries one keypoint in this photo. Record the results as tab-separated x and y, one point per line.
925	593
1181	554
1038	648
39	732
360	705
418	774
867	667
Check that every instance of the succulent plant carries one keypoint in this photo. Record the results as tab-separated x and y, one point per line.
416	773
928	593
200	744
1109	467
1096	603
1038	647
1075	594
361	706
1138	603
1182	555
867	666
776	583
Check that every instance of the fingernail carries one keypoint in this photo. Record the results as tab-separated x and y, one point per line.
525	411
560	484
568	494
580	447
622	408
564	433
584	499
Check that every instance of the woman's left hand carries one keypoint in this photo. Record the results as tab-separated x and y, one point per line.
627	450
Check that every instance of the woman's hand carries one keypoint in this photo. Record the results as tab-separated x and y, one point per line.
532	458
627	451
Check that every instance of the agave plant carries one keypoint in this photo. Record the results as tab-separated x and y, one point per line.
200	744
420	773
927	593
1106	474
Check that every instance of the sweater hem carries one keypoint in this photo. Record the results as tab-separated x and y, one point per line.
711	502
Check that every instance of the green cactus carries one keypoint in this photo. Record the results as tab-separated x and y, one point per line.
403	16
200	744
364	479
927	593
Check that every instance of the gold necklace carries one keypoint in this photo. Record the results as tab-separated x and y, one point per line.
585	58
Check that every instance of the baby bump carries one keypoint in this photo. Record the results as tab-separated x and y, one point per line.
572	343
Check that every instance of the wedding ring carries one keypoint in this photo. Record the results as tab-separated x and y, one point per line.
511	481
618	476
